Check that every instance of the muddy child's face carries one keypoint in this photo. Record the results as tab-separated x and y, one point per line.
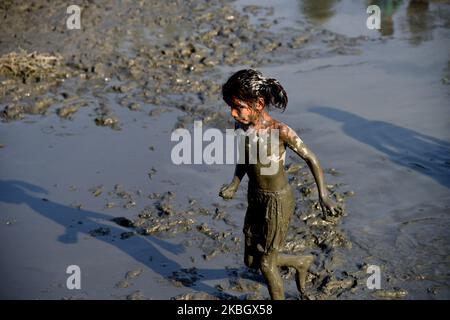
242	111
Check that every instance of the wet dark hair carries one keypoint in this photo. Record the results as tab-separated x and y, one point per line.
248	85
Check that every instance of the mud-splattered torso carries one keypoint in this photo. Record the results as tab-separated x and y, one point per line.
263	175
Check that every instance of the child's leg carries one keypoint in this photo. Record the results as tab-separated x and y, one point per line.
252	258
301	265
269	269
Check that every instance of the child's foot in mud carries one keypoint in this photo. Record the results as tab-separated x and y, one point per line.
333	217
304	262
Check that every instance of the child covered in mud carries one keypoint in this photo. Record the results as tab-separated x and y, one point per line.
271	201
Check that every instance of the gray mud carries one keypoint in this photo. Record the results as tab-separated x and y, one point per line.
86	175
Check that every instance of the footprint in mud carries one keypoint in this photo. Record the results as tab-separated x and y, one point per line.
185	277
130	275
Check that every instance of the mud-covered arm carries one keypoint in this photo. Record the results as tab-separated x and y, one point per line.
294	142
228	191
240	170
239	173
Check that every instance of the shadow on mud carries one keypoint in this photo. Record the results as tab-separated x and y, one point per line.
406	147
82	222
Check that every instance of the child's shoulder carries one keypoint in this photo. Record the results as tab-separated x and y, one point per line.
287	134
284	130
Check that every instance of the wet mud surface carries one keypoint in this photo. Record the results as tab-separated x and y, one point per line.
96	107
147	58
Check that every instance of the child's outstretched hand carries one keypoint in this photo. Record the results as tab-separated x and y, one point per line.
329	208
228	191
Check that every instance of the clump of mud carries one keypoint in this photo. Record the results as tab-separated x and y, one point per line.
195	296
21	71
164	218
31	66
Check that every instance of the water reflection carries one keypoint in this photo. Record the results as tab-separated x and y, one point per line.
419	21
414	18
388	9
318	11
